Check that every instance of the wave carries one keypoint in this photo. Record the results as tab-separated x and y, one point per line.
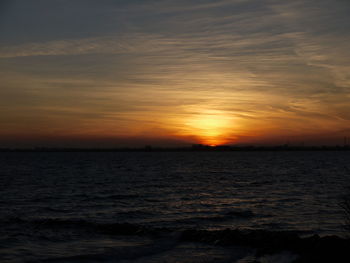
310	249
105	228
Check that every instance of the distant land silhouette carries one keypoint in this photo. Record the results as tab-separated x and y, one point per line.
193	148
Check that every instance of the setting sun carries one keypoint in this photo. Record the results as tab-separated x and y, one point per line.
211	127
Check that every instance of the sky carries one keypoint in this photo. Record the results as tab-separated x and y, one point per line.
103	73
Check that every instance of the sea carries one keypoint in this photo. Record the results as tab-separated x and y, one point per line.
135	206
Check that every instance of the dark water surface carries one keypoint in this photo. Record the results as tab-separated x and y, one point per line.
60	207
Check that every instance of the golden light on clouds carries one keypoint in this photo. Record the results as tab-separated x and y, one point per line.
219	75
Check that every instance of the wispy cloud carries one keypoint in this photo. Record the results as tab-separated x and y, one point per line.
270	67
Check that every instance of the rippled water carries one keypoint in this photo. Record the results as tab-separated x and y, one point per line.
298	191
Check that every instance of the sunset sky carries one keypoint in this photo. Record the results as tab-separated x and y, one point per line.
174	72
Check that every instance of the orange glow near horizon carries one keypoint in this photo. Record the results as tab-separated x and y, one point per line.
176	80
210	127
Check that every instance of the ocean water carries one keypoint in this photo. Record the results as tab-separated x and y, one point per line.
132	206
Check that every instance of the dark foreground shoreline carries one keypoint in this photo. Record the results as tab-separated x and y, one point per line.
306	249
